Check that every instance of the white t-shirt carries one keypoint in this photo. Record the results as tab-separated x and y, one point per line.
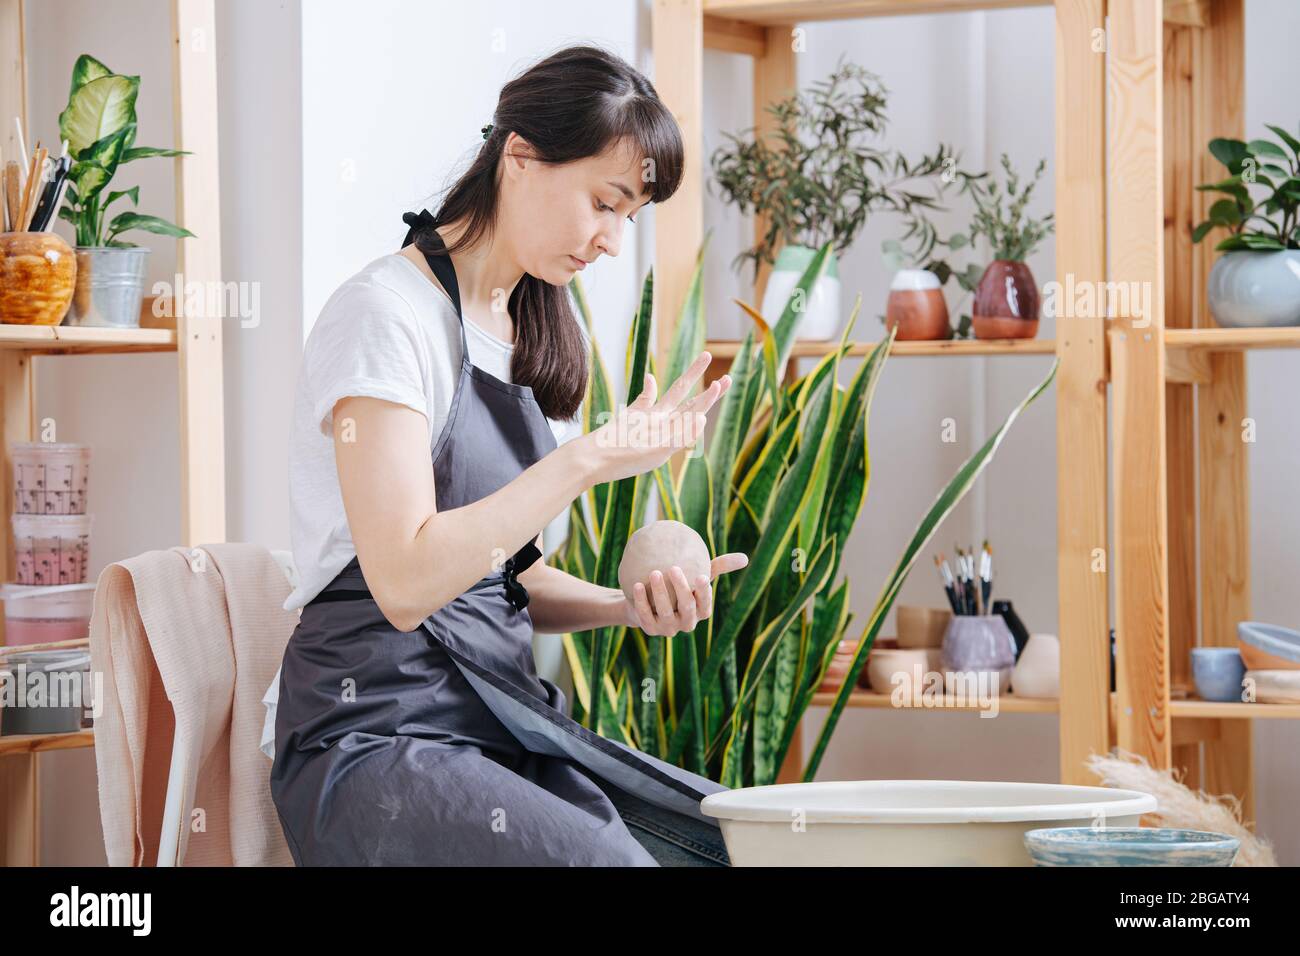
390	333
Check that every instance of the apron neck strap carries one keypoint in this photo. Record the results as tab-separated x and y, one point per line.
439	262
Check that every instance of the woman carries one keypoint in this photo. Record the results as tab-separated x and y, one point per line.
411	725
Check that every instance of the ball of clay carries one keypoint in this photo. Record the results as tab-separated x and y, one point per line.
659	546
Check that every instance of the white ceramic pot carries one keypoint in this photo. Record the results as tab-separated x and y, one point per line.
1255	289
907	822
1038	671
821	319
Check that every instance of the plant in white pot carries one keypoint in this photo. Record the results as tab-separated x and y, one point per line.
1256	282
99	125
817	181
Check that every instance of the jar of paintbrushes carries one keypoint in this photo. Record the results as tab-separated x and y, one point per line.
38	269
979	651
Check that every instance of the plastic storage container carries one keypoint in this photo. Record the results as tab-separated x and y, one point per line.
50	478
51	549
40	613
53	691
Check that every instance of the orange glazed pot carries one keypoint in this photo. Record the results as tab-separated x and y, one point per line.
916	307
38	272
1006	302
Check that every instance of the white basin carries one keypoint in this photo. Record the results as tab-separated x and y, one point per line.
907	822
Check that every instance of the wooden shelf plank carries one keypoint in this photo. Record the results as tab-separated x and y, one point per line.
1231	340
62	339
727	348
1231	709
35	743
774	12
1007	703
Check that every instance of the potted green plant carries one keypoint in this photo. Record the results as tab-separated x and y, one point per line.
1256	282
782	480
817	178
1006	299
99	125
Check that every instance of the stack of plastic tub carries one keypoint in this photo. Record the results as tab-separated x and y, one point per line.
49	600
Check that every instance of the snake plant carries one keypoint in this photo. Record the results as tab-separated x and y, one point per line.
783	479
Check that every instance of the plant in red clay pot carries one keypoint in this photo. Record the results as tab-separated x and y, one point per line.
1006	299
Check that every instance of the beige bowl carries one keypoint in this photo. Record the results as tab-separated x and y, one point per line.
884	663
922	626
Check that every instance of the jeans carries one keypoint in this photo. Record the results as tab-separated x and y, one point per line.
673	839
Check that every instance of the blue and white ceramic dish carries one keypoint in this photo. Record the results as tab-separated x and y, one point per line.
1268	646
1129	846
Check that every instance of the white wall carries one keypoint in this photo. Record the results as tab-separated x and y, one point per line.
333	124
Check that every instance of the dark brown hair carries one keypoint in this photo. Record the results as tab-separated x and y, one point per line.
573	104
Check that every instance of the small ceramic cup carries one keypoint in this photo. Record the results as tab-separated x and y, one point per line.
922	626
1217	672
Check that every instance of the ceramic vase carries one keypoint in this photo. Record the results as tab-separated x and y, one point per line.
1006	302
38	272
975	643
1038	671
821	320
916	306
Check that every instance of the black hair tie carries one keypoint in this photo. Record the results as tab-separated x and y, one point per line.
418	221
522	560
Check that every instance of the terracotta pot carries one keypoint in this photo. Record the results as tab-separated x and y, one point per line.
1006	302
917	307
38	272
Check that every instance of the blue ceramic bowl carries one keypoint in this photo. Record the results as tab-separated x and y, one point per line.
1267	646
1129	846
1218	672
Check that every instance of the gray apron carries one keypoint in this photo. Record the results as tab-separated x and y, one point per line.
443	745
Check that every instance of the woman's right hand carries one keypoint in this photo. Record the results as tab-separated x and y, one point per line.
643	435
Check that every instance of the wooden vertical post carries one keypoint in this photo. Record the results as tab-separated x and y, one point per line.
677	28
1135	219
1224	513
774	79
1180	437
198	332
1081	388
20	822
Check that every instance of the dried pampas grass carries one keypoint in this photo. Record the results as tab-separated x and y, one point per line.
1179	806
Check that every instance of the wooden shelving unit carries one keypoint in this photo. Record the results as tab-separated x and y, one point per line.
195	338
1172	74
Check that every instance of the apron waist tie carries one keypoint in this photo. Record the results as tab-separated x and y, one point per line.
522	560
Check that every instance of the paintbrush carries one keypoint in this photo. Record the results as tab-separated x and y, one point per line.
945	576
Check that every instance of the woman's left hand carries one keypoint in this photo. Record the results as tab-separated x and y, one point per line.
694	599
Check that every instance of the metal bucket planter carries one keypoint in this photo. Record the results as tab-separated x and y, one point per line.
110	287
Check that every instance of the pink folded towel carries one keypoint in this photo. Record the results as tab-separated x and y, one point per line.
187	640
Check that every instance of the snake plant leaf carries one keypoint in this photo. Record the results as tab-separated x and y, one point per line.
851	461
598	402
616	527
943	505
767	643
727	431
755	577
